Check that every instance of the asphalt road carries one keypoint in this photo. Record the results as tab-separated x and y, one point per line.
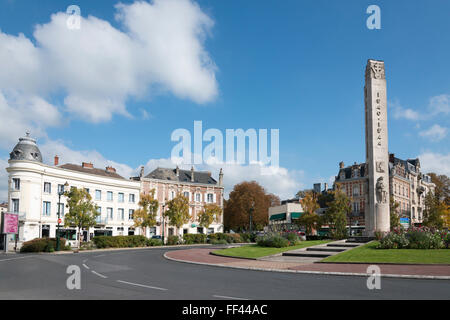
146	274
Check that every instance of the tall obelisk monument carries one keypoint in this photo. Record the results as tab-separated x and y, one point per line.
377	216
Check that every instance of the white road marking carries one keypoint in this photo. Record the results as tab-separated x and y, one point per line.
98	274
142	285
227	297
100	255
16	258
85	266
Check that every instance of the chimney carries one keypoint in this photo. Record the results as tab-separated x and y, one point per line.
87	165
110	169
192	174
56	160
391	157
177	171
341	165
325	186
221	178
141	173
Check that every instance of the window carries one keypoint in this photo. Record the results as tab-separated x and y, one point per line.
186	194
60	188
172	195
197	197
61	209
98	194
210	230
109	196
15	205
86	189
99	217
131	198
355	190
130	214
46	208
121	214
16	184
356	207
210	198
109	212
120	197
47	187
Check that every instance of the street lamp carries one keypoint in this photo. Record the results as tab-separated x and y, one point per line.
60	193
252	208
163	218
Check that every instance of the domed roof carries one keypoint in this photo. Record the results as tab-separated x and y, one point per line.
26	149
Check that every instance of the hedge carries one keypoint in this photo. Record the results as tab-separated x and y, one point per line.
120	241
173	240
191	238
228	237
42	245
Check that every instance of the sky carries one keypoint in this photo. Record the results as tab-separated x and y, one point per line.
113	91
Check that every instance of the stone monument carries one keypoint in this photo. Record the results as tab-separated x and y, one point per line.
377	216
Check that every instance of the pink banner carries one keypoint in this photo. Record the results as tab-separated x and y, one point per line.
10	223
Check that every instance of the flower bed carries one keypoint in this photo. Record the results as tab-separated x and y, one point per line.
415	238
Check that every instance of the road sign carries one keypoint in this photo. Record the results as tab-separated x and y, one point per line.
59	220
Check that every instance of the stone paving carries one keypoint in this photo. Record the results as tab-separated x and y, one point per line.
203	256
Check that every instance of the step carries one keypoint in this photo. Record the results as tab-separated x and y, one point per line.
343	245
359	239
326	249
308	254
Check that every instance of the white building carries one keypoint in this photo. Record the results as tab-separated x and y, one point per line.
34	187
282	217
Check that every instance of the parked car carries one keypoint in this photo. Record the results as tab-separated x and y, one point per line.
157	237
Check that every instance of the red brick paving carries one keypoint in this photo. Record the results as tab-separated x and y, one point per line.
204	256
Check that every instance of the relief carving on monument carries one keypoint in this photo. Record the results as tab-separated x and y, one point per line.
381	191
379	166
376	70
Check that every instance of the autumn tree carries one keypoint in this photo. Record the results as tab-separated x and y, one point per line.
241	199
145	216
178	211
336	215
210	213
442	189
434	211
310	219
82	211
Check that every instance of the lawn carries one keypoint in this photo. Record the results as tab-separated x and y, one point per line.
255	251
368	253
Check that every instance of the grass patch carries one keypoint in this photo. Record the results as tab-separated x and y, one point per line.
368	253
255	251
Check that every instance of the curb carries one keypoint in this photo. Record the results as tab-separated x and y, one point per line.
426	277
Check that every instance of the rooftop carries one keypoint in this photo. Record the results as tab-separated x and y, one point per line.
167	174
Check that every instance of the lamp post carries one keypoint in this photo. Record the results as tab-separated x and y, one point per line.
252	208
163	218
60	193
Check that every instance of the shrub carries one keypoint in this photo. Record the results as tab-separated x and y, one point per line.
120	241
228	237
292	237
154	242
194	238
316	237
247	237
42	245
272	240
172	240
219	242
414	238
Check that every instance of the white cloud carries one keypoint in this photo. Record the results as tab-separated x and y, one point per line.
435	133
398	112
159	48
435	162
440	104
3	180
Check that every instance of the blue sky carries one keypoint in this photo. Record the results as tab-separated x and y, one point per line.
296	66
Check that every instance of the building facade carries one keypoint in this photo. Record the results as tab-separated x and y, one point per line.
282	217
34	195
198	186
407	185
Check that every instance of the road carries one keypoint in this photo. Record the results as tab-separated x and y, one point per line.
146	274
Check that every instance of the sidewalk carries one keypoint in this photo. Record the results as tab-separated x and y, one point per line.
203	256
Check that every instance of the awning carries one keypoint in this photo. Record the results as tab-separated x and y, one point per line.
279	216
296	215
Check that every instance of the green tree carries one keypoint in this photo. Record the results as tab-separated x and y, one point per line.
209	214
434	212
82	211
394	216
310	219
336	215
145	216
178	211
